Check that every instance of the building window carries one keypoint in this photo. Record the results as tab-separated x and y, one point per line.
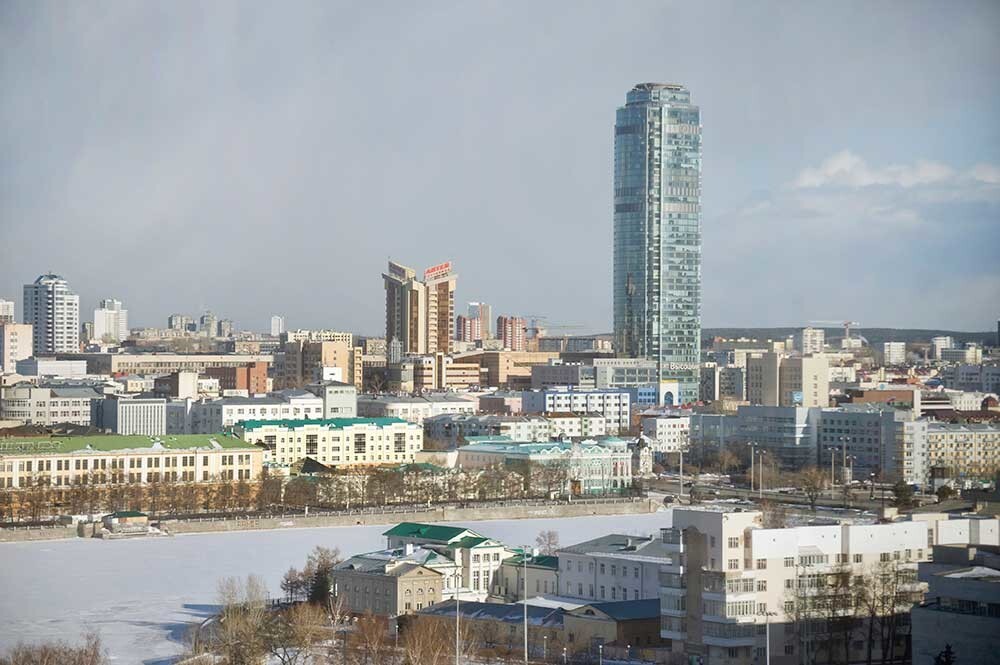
733	564
857	558
761	585
734	541
789	561
761	564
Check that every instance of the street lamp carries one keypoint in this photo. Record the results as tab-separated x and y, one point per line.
628	652
564	655
767	635
600	654
833	480
761	464
545	645
752	450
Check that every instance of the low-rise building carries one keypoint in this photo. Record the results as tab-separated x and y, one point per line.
340	400
72	460
413	409
591	467
667	434
613	404
334	442
456	428
67	369
392	582
209	416
969	452
42	405
612	567
520	579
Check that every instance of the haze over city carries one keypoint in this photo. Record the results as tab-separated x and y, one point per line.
246	159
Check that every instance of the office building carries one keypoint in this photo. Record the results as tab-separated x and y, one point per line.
128	415
966	452
970	354
891	443
483	312
54	314
251	377
657	232
811	340
414	409
894	353
144	364
208	324
776	380
180	322
224	328
74	460
939	344
304	361
44	405
110	322
511	331
340	400
277	325
210	416
334	442
420	314
613	404
15	344
6	311
731	585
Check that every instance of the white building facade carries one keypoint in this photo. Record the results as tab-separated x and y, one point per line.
54	313
614	405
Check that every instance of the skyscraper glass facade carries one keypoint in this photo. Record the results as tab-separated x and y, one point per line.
657	232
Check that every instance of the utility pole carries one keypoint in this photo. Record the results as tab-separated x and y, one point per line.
761	465
458	589
524	600
752	451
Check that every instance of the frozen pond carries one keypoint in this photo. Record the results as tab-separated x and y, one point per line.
139	595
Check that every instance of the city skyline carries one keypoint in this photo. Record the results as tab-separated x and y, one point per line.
814	208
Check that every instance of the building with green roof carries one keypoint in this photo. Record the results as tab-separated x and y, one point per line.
68	460
334	442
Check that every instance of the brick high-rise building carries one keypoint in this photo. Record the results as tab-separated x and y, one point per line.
421	315
511	332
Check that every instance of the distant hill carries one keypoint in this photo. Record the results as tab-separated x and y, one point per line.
875	336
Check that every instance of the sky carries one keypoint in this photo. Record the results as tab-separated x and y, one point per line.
255	158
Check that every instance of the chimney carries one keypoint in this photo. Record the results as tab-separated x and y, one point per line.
407	549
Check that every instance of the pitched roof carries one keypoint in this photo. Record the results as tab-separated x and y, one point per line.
506	613
61	445
626	610
622	545
438	532
542	561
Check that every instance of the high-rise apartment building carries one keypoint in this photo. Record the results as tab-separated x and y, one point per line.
657	232
939	344
483	312
277	325
6	311
468	329
15	344
894	353
421	315
811	340
181	322
208	324
224	328
110	321
511	332
54	313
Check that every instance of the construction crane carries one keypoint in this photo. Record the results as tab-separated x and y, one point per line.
847	325
538	326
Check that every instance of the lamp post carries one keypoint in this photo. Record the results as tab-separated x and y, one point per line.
600	654
545	649
564	655
628	652
752	451
833	480
458	591
760	463
767	635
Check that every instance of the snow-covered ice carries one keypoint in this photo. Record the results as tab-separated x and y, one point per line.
141	595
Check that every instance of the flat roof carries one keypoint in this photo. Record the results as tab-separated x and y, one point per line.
327	423
61	445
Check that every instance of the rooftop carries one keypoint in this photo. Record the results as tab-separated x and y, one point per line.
327	423
621	544
61	445
435	532
507	613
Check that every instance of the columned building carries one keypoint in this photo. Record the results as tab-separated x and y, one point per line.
657	232
54	313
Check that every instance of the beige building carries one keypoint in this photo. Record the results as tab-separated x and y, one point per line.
969	451
335	442
385	588
15	344
62	461
160	363
420	314
776	380
304	360
509	369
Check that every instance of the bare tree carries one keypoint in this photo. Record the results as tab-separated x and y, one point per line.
547	541
59	653
775	514
240	635
812	481
295	632
371	640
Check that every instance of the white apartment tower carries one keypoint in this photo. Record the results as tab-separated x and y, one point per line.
277	325
54	313
6	311
894	353
811	340
110	321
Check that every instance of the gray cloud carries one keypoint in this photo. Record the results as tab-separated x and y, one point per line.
256	158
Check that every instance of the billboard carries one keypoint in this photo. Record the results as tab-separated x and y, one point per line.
796	397
438	271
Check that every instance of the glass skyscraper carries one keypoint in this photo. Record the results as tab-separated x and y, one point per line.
657	236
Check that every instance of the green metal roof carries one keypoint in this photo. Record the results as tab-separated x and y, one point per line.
60	445
469	542
438	532
541	561
328	423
